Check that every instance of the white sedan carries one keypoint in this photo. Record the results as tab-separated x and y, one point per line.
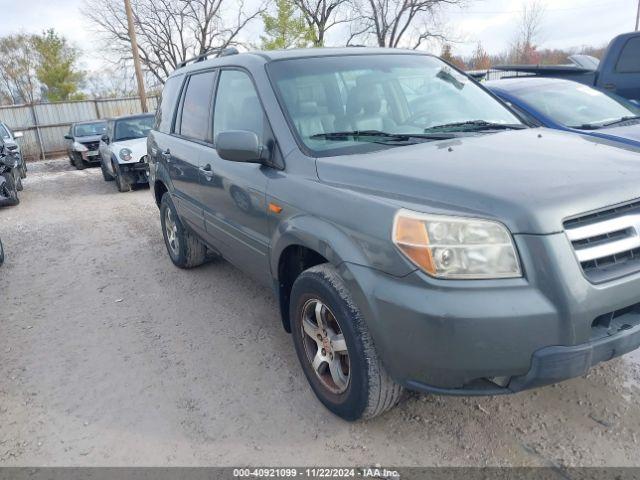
123	150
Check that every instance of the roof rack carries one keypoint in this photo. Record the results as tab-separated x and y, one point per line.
218	52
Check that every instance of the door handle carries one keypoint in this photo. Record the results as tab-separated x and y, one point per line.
207	171
166	155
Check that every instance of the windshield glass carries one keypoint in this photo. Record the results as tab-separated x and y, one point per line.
130	128
575	105
88	129
399	94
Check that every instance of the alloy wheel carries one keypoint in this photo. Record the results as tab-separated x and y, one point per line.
172	232
325	346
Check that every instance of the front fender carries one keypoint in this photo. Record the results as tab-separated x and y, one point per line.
318	235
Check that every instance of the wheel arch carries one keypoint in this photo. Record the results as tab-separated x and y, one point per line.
161	183
303	242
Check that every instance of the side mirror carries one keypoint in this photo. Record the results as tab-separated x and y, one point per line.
68	136
18	134
105	138
240	146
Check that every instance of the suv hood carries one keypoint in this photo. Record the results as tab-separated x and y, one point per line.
528	179
88	138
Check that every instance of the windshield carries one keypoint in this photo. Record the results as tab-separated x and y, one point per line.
576	105
131	128
394	94
89	129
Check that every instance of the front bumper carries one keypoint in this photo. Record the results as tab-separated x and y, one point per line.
91	156
498	336
135	172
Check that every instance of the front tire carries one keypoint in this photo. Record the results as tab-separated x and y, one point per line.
335	348
105	174
18	178
121	182
184	248
77	161
11	189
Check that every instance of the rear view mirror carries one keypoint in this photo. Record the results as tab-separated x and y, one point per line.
240	146
18	134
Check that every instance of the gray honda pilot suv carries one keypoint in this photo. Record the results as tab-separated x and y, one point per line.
416	233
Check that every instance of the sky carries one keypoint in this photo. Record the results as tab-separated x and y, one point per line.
567	23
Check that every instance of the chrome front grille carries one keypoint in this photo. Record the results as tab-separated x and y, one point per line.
607	243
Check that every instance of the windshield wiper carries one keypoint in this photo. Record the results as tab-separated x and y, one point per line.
598	125
622	120
124	139
587	126
476	125
395	137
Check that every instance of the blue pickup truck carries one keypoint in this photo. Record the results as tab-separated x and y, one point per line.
618	72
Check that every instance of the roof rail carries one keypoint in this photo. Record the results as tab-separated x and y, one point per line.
218	52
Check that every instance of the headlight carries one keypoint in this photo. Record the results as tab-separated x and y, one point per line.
456	247
125	154
78	147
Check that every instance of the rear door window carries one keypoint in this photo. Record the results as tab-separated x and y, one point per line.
629	61
196	107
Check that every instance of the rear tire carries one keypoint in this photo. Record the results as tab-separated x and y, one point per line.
184	248
352	388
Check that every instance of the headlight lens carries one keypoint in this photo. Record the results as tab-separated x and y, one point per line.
456	247
125	154
78	147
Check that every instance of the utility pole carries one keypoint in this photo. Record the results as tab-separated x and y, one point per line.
638	17
136	56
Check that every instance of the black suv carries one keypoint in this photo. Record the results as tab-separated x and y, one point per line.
415	232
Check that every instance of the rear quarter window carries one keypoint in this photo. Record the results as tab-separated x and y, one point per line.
164	115
629	61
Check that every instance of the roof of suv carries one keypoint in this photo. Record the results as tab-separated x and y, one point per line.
274	55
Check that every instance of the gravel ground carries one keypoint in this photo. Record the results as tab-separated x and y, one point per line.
109	355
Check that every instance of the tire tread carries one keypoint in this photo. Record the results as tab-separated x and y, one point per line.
384	393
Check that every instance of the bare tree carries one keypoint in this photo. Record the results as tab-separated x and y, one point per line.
18	69
397	23
170	31
523	48
109	82
480	59
321	15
